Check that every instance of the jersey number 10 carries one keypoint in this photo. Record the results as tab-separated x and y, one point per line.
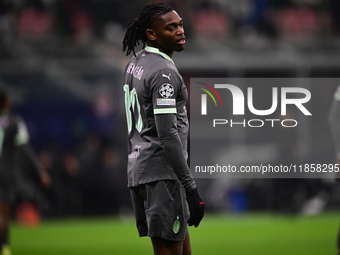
131	105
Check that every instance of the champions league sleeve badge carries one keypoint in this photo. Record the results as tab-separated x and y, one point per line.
166	90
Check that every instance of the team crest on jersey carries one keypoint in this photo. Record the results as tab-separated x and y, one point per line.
176	226
166	90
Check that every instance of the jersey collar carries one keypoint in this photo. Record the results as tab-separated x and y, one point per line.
155	50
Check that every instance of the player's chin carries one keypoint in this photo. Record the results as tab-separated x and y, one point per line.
179	47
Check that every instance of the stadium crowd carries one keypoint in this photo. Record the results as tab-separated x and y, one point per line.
87	20
89	180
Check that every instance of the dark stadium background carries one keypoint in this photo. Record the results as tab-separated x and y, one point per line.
62	64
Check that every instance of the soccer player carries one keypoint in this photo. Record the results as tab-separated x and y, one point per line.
334	120
164	194
14	143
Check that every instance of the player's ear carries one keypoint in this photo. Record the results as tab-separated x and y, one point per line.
151	34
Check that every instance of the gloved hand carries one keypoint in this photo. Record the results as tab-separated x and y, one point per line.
196	207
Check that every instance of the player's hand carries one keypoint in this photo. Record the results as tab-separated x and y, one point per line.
196	207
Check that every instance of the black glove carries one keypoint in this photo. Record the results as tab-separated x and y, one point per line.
196	207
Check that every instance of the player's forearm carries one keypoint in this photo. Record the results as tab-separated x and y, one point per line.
168	134
172	147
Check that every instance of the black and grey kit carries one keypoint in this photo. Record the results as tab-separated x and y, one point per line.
155	98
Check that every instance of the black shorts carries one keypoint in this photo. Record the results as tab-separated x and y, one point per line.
161	210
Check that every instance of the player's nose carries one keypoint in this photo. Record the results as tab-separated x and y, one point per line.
180	30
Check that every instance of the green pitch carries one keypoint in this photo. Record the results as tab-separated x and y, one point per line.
253	234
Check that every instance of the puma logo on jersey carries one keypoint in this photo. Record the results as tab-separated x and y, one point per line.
166	76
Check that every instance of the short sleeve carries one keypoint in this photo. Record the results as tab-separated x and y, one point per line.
165	85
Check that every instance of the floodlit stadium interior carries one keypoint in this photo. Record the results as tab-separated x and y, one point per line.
62	65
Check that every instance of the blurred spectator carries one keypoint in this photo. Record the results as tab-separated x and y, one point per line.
89	155
209	23
52	163
90	181
73	193
84	21
298	22
112	194
88	152
35	22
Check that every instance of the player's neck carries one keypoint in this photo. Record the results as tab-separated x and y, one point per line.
156	50
169	53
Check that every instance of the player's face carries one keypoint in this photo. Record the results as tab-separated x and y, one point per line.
168	33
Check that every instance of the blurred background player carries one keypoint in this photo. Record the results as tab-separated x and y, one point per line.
334	119
14	144
155	96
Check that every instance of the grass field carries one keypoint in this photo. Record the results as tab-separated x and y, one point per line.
248	234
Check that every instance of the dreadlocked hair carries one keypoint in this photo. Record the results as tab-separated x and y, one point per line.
136	28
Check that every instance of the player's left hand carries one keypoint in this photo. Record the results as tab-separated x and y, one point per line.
196	207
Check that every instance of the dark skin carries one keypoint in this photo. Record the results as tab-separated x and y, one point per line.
167	34
166	247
